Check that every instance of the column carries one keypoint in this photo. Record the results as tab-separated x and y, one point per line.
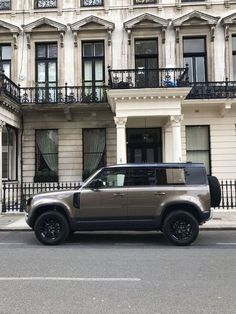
175	122
1	126
121	156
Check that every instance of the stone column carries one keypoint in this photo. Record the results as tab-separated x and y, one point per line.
1	126
175	122
121	156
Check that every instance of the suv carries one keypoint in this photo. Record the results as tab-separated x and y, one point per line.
174	198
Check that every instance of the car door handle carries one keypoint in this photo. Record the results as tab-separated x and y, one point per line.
160	193
118	194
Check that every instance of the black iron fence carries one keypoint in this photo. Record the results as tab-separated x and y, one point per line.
212	90
15	195
148	78
52	94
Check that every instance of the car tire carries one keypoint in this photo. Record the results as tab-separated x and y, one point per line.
215	191
51	228
181	228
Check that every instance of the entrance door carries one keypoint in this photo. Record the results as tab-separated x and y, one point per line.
144	145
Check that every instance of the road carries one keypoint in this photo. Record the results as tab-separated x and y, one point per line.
138	273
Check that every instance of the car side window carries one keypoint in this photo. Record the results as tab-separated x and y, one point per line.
113	177
142	176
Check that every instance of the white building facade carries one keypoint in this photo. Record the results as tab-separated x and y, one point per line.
88	83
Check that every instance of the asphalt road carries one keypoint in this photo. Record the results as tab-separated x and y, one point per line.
118	273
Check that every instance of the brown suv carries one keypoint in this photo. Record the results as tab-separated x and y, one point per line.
172	197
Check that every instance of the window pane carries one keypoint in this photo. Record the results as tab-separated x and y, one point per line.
194	45
94	143
113	178
7	69
99	71
200	69
145	176
41	72
46	152
98	47
145	47
52	51
6	52
234	43
234	67
88	70
87	50
41	51
52	71
189	62
197	138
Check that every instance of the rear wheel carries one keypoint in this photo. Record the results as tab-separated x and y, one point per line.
180	228
51	228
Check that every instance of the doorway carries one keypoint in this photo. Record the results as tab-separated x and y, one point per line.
144	145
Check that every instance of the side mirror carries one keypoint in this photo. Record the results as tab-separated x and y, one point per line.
96	184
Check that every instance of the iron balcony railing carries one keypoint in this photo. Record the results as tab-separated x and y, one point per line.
91	3
42	4
15	195
54	94
145	1
148	78
212	90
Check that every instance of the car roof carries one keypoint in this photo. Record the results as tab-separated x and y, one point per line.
159	165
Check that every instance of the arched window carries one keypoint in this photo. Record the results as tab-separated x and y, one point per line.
9	153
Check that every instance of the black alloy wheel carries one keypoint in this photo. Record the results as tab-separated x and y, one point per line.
181	228
51	228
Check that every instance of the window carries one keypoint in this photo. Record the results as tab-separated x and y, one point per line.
41	4
5	5
195	57
144	1
94	150
46	156
91	3
46	71
234	56
146	60
9	153
93	70
113	177
5	59
198	145
142	176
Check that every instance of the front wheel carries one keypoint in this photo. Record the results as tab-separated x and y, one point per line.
181	228
51	228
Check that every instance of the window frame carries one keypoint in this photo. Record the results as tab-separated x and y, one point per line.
196	150
36	6
47	177
11	128
92	5
103	161
8	7
197	54
6	61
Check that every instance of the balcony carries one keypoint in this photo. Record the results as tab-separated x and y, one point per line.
212	90
148	78
145	1
52	95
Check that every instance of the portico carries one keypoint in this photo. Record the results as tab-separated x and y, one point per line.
153	108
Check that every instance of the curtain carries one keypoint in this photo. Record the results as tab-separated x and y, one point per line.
47	142
94	146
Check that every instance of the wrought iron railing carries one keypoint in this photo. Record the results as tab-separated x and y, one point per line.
63	94
148	78
5	4
52	95
15	195
212	90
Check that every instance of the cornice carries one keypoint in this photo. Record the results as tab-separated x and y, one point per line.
59	27
10	27
107	25
185	20
158	21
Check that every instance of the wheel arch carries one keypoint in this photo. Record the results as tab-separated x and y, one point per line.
39	210
184	206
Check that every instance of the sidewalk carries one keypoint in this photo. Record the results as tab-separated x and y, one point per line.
222	220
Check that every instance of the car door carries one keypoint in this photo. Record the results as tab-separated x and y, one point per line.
146	193
108	202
